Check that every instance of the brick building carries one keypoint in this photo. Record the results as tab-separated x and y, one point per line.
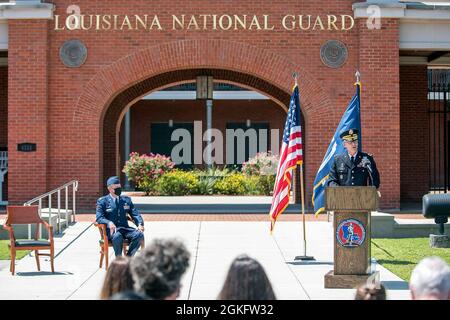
79	80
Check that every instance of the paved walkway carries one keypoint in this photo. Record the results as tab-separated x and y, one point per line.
213	246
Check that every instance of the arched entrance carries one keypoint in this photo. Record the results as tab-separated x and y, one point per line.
111	91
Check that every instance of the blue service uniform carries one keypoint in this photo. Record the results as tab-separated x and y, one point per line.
362	172
114	210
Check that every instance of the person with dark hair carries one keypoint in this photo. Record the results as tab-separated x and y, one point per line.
370	292
118	278
158	269
129	295
246	280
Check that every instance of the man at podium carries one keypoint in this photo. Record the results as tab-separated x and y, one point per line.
353	168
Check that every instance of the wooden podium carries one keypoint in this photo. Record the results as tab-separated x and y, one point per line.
351	225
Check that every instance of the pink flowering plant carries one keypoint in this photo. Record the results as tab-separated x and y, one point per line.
144	170
263	163
264	166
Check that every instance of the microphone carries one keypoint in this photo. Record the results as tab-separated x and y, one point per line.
366	163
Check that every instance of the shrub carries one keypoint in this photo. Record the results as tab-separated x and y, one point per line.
265	184
252	185
206	184
232	184
144	170
264	165
177	183
209	177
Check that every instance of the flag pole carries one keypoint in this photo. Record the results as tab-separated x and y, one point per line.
304	257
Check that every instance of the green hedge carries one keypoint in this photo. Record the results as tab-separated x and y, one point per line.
180	183
177	183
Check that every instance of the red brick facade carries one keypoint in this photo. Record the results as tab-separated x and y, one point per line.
74	114
28	108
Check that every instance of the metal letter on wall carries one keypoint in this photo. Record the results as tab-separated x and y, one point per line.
333	54
73	53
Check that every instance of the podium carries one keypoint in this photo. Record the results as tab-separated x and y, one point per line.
352	207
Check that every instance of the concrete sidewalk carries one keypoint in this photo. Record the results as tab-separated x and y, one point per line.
213	245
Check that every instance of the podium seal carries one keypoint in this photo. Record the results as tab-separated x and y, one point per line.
350	233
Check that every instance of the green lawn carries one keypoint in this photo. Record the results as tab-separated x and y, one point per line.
4	251
401	255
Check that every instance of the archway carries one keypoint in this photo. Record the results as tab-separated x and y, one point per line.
108	94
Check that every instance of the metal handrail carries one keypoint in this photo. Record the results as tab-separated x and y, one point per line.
28	203
65	187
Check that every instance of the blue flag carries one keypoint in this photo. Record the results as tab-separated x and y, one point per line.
350	120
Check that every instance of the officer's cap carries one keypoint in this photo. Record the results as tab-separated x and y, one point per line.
350	135
112	180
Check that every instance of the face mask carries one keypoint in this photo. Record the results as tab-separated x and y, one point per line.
118	191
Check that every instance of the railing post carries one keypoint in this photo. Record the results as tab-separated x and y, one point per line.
67	200
40	199
51	211
74	187
40	215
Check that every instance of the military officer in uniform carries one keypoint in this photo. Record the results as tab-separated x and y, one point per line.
112	211
353	168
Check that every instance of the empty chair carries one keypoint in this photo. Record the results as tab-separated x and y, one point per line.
24	215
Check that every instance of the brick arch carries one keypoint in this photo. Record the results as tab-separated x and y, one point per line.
115	86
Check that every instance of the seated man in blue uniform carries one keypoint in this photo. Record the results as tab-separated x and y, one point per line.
353	168
112	211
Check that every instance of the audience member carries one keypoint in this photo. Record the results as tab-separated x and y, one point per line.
118	278
129	295
158	269
370	292
246	280
430	280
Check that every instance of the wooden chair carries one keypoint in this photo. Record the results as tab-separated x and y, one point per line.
28	215
105	244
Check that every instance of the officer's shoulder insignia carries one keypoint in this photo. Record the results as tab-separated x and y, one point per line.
370	154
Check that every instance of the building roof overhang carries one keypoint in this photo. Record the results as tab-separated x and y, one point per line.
401	9
28	9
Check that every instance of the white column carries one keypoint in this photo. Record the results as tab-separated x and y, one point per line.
127	143
209	104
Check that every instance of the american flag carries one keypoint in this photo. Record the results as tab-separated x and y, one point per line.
291	154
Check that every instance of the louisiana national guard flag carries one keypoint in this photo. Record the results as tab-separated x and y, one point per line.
291	154
351	119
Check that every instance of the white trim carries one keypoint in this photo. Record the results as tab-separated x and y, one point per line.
387	9
443	61
434	14
217	95
32	10
424	35
436	46
399	10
